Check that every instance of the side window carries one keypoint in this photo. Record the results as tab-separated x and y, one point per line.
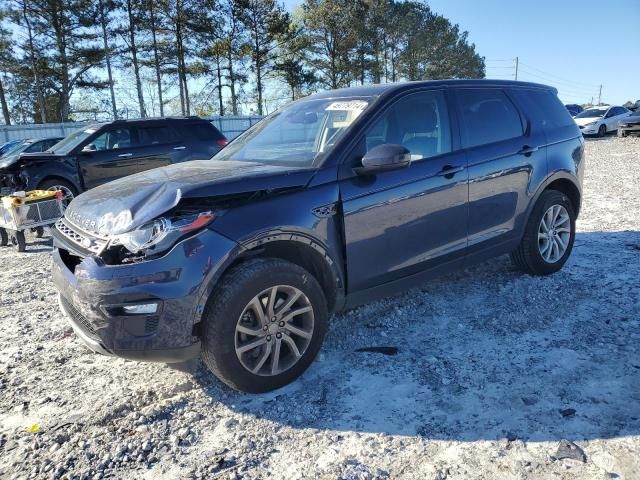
547	105
204	131
419	122
488	116
116	139
36	147
156	135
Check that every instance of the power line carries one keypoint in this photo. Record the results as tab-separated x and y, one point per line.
558	77
566	84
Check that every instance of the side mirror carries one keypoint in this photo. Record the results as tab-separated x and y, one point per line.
88	148
388	156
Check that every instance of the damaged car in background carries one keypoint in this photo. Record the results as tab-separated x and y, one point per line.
103	152
333	201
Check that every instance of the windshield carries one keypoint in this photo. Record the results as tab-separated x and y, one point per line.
301	134
592	113
17	148
65	146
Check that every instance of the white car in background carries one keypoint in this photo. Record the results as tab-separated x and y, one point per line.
600	120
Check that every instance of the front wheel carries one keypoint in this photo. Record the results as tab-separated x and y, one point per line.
549	235
602	130
263	325
68	190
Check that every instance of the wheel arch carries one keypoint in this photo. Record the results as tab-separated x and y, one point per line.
304	252
295	248
60	178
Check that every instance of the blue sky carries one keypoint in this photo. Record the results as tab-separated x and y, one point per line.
574	45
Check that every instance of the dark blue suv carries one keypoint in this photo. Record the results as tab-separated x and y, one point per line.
335	200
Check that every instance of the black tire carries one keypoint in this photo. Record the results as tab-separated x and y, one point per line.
527	256
228	301
70	192
4	238
602	130
18	240
38	231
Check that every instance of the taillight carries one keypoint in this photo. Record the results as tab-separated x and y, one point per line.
222	142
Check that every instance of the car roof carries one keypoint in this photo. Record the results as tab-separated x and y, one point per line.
158	119
386	88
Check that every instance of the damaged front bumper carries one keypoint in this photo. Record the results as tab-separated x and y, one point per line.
10	182
111	307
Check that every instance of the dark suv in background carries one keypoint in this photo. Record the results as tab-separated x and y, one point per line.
337	199
104	152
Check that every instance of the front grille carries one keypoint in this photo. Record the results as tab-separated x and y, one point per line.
82	239
78	318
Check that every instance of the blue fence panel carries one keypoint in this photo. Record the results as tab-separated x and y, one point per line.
231	127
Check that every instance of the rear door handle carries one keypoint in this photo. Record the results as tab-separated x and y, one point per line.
527	150
125	155
179	148
449	171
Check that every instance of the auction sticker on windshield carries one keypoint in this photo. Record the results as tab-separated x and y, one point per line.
357	105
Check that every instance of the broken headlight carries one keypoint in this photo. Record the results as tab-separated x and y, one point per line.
161	233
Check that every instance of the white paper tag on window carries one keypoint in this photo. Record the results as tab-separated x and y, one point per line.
357	105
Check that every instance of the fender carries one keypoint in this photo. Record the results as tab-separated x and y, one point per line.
566	174
35	172
253	246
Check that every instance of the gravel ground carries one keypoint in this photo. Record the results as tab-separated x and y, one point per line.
495	372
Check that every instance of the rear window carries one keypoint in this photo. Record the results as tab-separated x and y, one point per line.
204	131
488	116
548	107
157	135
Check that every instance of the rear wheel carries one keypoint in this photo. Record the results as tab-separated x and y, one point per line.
549	235
602	130
264	325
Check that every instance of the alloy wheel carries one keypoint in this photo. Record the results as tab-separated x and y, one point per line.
274	330
554	233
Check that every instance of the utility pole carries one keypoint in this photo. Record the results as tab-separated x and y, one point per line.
516	68
600	95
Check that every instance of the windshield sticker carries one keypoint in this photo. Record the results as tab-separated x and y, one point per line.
351	105
90	131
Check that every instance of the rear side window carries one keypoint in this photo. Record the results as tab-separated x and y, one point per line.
548	107
488	116
204	131
157	135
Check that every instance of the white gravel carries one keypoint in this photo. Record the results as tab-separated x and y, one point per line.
494	369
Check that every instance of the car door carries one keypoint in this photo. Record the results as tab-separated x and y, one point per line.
108	156
403	221
503	159
617	114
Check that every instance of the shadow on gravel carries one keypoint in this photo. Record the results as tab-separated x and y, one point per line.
483	354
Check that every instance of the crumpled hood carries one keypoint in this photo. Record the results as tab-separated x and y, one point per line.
125	204
21	158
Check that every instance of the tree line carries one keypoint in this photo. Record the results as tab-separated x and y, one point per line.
63	59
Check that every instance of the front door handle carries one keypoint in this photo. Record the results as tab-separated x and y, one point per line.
179	148
448	171
527	150
125	155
